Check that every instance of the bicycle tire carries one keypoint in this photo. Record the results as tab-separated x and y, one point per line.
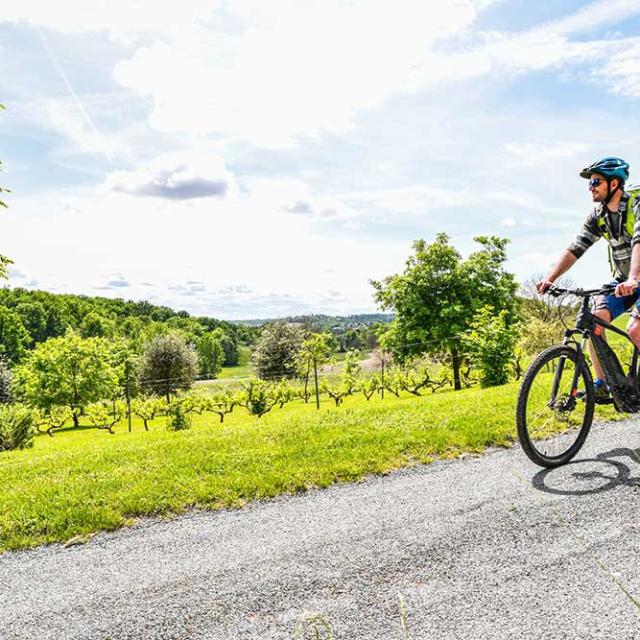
553	440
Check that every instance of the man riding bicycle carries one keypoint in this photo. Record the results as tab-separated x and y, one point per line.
616	218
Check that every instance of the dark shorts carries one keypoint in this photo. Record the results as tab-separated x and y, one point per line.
617	306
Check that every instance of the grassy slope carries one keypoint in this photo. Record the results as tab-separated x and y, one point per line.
82	481
243	369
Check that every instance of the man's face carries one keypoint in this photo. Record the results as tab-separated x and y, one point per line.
598	187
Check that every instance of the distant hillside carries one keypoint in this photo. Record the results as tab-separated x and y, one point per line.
322	322
30	317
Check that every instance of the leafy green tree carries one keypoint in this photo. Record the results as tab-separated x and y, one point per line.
351	371
277	351
58	320
223	403
105	415
55	417
14	338
210	354
438	295
316	350
259	397
229	346
370	385
95	325
167	365
70	372
34	319
490	345
148	408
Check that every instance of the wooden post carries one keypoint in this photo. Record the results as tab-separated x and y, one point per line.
315	375
128	379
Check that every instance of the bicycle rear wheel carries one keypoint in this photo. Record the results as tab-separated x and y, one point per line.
553	419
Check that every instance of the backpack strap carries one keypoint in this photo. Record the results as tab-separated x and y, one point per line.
630	222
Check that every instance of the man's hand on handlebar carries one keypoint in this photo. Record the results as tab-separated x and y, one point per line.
543	285
626	288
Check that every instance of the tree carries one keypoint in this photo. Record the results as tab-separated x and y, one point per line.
94	325
315	351
543	306
277	351
437	296
105	415
210	354
259	397
70	372
14	338
34	319
167	365
223	403
148	408
229	346
4	261
491	344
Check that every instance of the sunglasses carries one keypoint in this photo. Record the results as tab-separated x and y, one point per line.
594	182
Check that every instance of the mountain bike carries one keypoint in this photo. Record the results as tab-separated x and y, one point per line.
556	400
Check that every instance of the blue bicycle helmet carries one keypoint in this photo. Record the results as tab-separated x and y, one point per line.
609	167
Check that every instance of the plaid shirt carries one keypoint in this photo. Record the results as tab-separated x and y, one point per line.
620	243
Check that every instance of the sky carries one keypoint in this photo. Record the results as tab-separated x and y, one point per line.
248	159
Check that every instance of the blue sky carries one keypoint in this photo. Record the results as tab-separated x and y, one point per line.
246	159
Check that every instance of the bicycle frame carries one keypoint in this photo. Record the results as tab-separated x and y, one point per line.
624	387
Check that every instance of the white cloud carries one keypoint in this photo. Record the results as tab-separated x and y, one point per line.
621	71
118	17
176	176
540	153
295	199
102	241
508	222
296	69
542	47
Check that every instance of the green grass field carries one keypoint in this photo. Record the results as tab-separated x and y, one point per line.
244	367
83	481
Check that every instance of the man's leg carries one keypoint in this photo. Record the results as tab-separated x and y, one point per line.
603	314
633	329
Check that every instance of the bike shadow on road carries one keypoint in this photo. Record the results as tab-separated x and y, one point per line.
590	475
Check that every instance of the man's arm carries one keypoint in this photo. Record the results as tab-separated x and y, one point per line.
566	261
589	234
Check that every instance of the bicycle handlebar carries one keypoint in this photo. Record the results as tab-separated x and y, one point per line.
604	290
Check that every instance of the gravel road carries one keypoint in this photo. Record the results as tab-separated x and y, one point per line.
483	547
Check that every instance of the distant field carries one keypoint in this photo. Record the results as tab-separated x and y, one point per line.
244	368
82	481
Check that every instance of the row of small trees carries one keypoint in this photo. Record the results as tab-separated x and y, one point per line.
257	396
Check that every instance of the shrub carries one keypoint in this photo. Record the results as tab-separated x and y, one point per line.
259	397
223	403
490	345
178	418
17	427
5	383
106	414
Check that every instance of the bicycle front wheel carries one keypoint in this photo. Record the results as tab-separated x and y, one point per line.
554	416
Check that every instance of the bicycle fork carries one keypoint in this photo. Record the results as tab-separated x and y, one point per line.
570	402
